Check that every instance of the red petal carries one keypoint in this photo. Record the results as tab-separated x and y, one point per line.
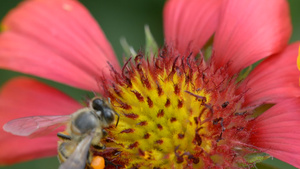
277	133
58	40
23	97
250	31
275	79
189	24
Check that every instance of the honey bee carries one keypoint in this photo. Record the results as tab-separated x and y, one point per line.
84	129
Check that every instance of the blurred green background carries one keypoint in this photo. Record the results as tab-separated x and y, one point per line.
125	18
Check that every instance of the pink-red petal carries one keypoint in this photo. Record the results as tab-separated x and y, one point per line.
22	97
277	133
275	79
58	40
250	31
189	24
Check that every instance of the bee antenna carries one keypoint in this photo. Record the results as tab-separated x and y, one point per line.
118	118
86	99
95	94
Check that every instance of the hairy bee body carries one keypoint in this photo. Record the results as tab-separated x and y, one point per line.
65	149
83	122
84	128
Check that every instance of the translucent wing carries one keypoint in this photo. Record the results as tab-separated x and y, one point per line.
34	126
77	159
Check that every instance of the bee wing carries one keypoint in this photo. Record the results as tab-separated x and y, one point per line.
34	126
77	159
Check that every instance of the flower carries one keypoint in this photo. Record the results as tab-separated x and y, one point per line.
179	109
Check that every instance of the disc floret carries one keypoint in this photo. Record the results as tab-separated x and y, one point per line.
177	111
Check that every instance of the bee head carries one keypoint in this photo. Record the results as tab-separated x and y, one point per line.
103	111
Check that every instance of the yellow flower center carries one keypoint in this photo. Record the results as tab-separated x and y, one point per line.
175	112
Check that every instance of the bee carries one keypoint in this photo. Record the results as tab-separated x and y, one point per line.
84	128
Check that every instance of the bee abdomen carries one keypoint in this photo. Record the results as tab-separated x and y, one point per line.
65	149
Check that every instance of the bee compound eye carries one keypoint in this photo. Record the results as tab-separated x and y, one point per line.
108	115
98	104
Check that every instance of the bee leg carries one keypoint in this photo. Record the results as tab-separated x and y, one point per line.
118	118
107	162
63	136
104	132
99	147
